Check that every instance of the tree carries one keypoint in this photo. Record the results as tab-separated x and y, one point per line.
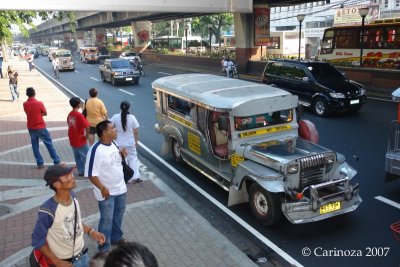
24	18
219	22
162	28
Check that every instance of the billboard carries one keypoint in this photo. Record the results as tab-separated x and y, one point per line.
351	15
261	26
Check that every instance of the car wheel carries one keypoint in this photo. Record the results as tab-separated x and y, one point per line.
266	206
102	77
320	107
176	151
113	82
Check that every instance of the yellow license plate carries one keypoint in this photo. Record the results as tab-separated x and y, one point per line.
329	207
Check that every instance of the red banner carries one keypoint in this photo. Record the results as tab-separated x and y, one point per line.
261	26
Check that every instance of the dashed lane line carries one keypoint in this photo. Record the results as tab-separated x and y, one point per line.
388	201
165	73
94	79
126	92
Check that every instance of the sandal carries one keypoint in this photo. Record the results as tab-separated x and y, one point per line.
135	181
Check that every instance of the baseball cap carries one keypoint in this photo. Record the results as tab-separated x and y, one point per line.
56	171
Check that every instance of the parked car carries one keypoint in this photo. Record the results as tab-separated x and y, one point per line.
244	136
118	71
89	54
318	85
130	56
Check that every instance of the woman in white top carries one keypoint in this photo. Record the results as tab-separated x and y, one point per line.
128	137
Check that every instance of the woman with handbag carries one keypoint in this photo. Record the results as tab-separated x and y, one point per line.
128	137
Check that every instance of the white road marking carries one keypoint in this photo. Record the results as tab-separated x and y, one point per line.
94	79
227	211
388	201
126	92
165	73
76	71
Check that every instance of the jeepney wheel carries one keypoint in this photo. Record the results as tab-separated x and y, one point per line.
320	107
176	151
113	82
266	206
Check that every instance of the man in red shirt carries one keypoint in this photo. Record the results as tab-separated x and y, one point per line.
35	111
78	130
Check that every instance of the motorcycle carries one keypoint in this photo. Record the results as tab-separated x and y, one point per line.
139	67
233	73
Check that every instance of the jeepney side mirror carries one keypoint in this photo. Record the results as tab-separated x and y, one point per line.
223	123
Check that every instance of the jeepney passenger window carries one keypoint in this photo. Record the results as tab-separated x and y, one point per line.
201	119
178	105
263	120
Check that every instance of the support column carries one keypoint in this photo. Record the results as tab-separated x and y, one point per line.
243	38
79	37
99	36
141	31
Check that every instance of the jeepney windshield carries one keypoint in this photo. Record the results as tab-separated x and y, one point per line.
64	54
263	120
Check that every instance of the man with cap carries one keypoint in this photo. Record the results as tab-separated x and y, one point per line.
59	229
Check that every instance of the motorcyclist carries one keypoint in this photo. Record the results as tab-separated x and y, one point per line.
138	65
228	64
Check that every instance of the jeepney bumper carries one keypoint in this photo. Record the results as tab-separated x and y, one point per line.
342	198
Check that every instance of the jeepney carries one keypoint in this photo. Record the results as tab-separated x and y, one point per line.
65	59
244	137
89	54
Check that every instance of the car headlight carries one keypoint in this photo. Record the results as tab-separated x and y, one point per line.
293	168
337	95
117	73
363	91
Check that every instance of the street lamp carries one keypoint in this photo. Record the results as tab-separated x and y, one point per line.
186	29
300	18
209	31
363	13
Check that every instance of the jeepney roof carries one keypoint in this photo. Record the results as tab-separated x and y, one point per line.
226	93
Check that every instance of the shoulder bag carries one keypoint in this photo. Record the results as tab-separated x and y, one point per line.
128	172
84	111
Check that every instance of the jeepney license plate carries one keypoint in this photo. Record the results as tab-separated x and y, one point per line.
329	207
129	79
355	101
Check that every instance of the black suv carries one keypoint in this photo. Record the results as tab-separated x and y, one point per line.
318	84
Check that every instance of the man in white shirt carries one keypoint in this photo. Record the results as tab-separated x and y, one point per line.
56	65
228	64
104	169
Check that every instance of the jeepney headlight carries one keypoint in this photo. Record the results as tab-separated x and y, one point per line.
293	168
347	171
337	95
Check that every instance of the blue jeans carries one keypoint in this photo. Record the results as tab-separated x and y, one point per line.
44	135
14	91
82	262
80	157
112	210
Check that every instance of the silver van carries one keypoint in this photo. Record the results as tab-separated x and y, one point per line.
244	137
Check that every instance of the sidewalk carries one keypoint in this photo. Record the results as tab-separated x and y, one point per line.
155	216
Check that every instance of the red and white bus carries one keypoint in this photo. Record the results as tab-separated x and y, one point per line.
342	45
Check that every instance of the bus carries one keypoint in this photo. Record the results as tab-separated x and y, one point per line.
341	45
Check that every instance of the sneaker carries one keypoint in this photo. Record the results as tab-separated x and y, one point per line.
81	174
135	181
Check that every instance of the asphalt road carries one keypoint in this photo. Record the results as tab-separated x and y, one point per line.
360	238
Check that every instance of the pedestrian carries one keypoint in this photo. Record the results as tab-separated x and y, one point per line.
35	111
131	254
128	137
78	129
13	83
228	64
56	66
104	169
59	229
1	67
29	58
95	112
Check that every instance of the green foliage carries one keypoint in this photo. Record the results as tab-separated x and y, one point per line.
219	22
161	28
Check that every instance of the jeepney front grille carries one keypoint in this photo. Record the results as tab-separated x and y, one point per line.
312	170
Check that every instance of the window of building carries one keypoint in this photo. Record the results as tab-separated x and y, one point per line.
386	3
397	3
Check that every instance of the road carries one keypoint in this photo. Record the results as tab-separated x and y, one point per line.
362	237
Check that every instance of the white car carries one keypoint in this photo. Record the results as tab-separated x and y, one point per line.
130	56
